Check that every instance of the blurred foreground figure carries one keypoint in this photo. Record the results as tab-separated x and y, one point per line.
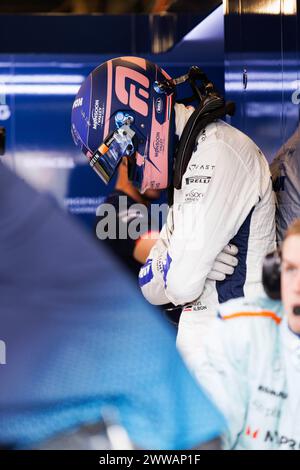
80	340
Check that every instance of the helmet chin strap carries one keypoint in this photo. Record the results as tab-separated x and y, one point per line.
194	75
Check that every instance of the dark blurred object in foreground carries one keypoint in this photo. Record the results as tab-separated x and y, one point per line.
81	340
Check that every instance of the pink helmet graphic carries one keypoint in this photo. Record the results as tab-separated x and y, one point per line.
121	111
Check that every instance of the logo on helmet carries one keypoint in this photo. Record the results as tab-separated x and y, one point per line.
97	115
158	145
159	105
137	96
77	103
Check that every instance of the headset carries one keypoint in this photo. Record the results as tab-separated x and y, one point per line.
271	277
210	107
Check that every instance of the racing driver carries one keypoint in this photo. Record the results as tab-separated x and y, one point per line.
219	180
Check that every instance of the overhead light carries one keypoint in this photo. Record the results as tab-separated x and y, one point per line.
36	89
41	78
265	7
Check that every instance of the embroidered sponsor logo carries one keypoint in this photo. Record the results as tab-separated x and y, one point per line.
269	391
145	270
196	307
251	433
273	437
281	440
193	195
146	273
201	167
198	179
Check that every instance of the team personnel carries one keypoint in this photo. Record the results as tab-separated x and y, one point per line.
285	170
250	365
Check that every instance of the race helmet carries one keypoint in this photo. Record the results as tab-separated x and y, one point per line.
121	111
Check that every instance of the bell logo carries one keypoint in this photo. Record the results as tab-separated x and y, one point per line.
137	96
252	434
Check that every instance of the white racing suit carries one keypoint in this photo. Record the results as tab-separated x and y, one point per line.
250	367
226	196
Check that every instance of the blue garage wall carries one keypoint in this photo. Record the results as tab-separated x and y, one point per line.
36	95
262	69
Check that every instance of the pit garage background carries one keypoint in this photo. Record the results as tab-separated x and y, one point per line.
248	48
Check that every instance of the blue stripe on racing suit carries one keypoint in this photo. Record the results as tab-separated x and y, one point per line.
146	273
233	287
167	267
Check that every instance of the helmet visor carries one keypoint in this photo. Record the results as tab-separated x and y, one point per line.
109	154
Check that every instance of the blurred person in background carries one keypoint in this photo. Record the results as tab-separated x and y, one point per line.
285	169
250	365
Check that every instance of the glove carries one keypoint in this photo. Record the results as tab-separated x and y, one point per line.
224	263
